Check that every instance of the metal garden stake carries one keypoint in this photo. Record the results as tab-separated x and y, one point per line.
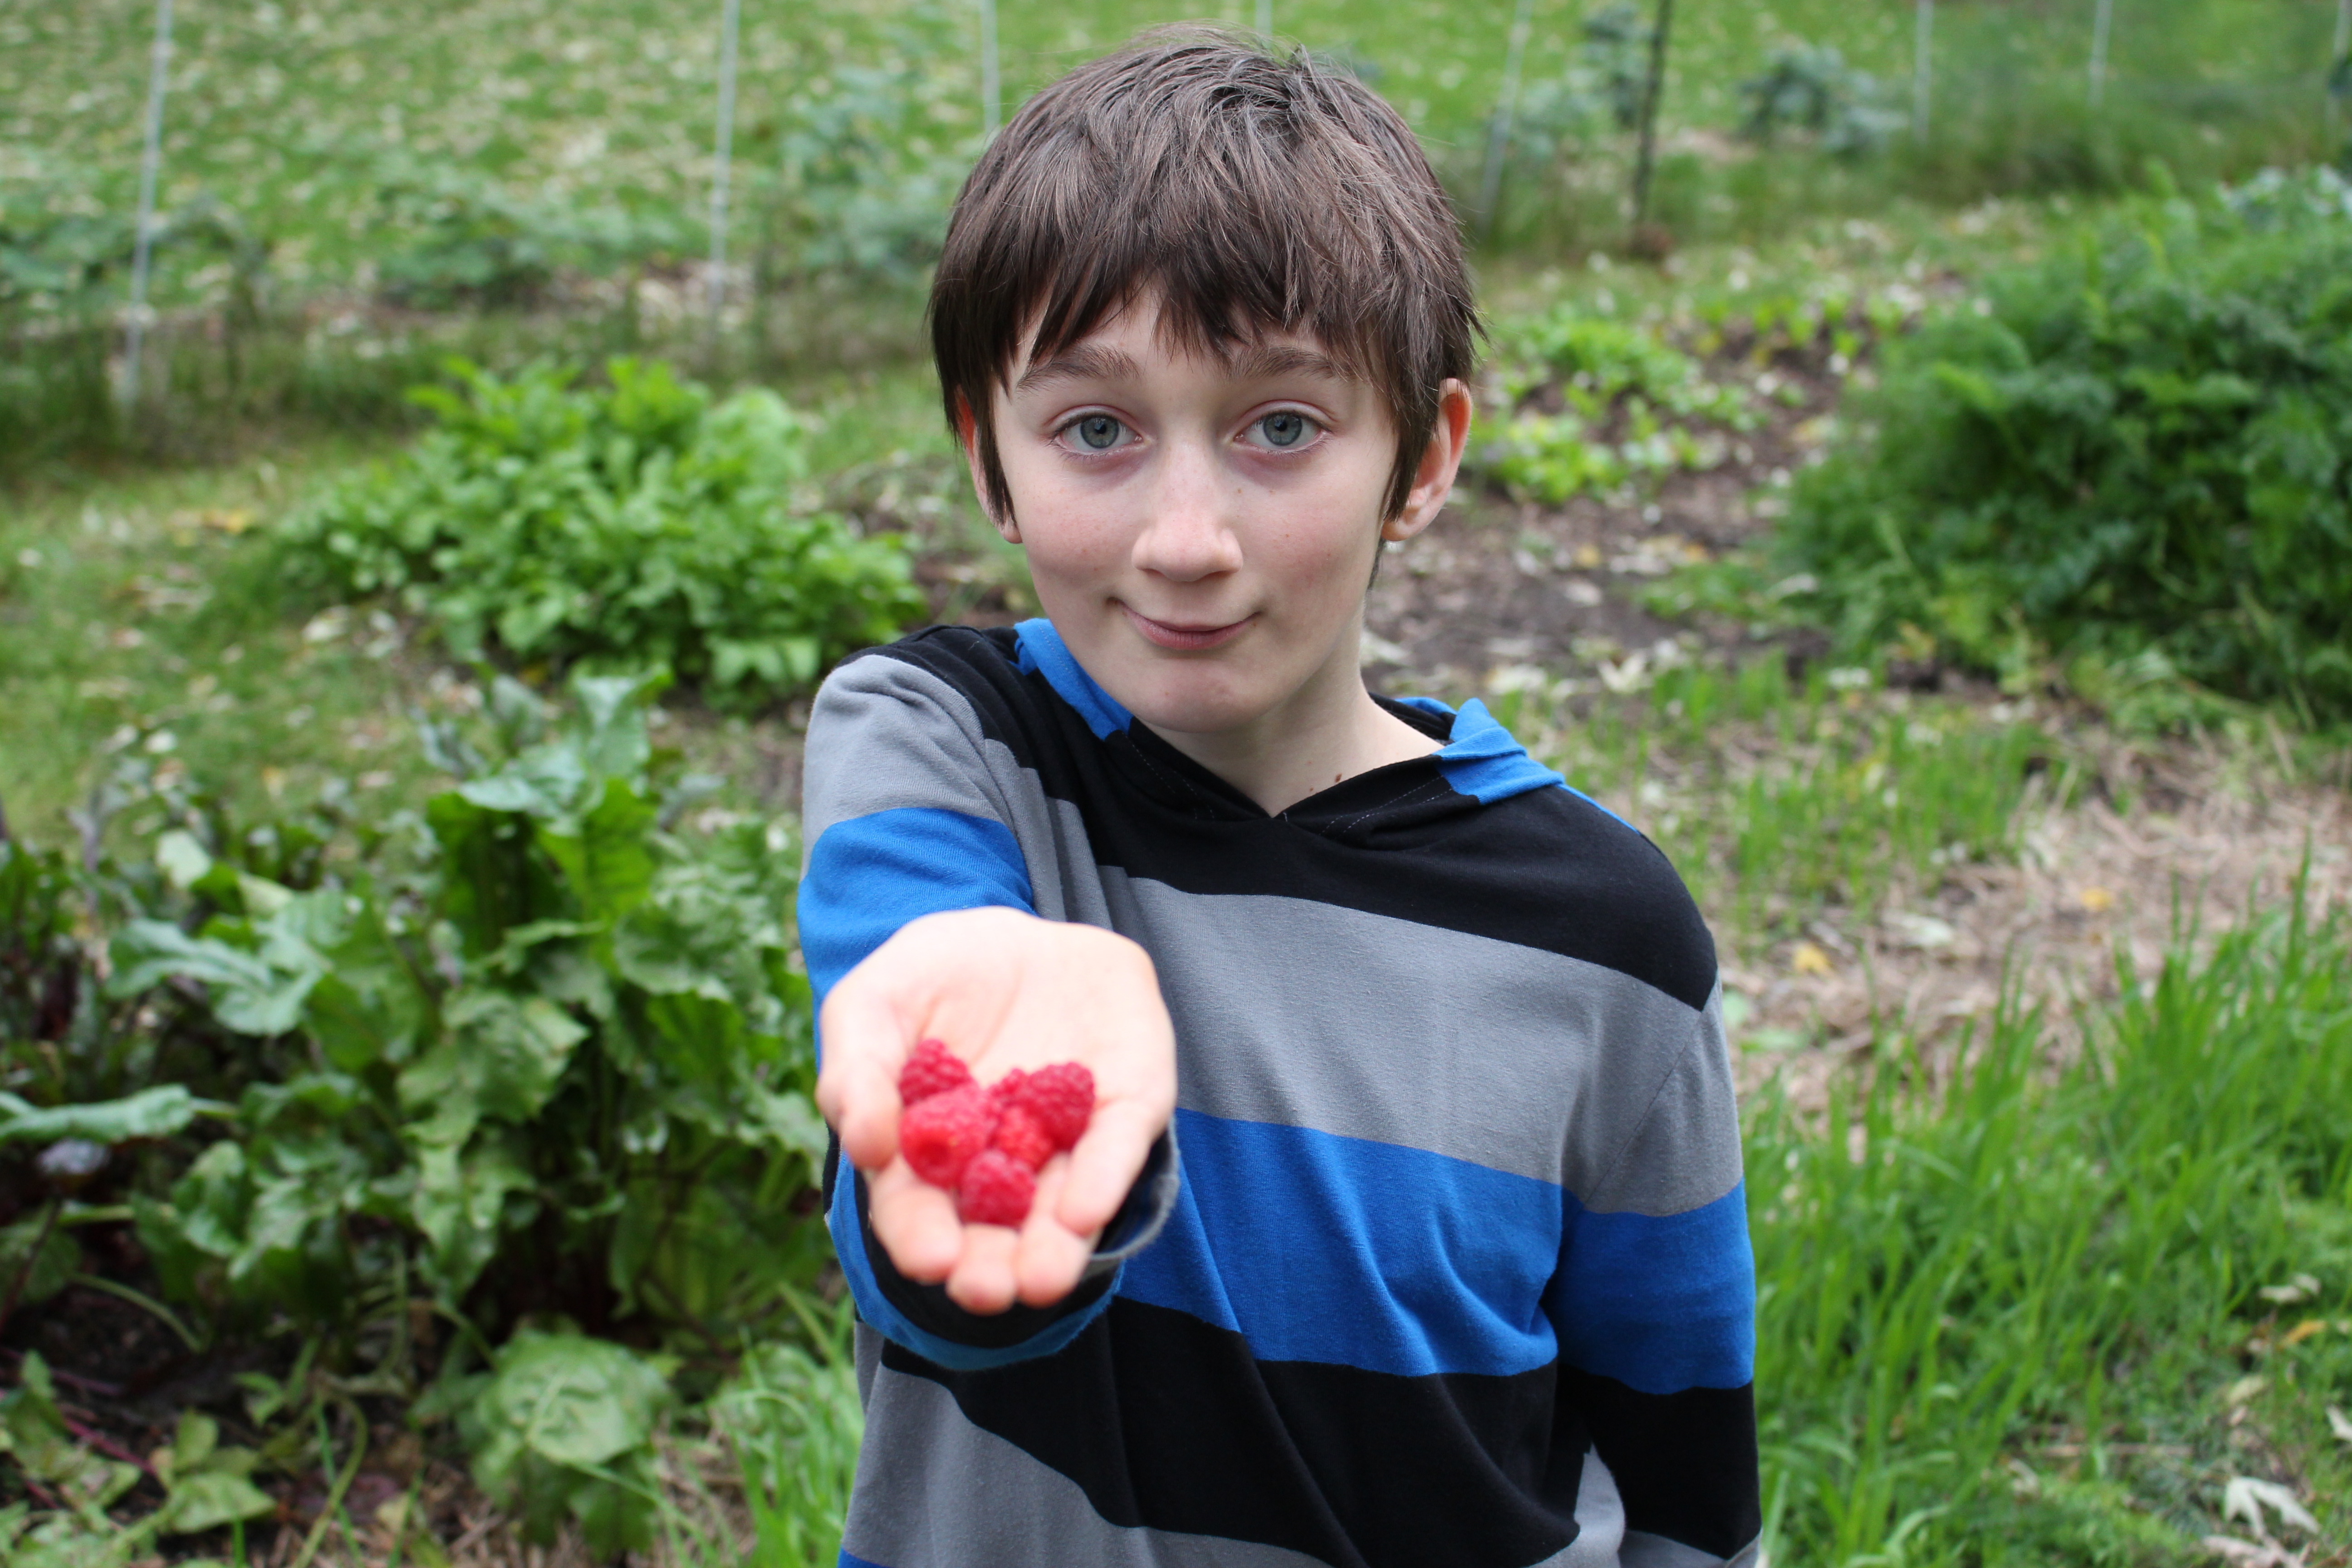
722	148
988	77
1490	186
1922	67
142	243
2102	20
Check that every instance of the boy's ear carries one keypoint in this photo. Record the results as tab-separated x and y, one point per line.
968	437
1440	460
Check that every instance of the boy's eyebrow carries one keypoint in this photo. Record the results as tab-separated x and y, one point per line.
1264	362
1080	361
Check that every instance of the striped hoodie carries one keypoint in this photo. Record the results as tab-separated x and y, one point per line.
1445	1263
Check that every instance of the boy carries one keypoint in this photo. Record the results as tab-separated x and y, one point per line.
1453	1267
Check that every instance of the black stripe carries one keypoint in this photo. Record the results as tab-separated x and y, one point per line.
1545	869
1684	1463
1167	1421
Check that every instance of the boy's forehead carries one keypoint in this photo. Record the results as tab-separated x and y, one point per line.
1139	338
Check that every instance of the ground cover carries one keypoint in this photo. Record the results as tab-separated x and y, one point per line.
2041	1280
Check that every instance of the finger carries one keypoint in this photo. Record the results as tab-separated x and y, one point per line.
865	1044
1103	1166
1049	1258
915	1222
982	1280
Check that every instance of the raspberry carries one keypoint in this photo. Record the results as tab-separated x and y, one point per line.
1019	1135
940	1135
1006	1089
1061	1100
996	1190
930	1070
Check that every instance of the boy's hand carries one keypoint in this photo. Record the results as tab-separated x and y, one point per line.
1002	990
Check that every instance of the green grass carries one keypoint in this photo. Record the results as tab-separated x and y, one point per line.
283	109
2007	1318
1776	799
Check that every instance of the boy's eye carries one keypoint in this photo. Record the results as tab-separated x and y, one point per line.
1284	428
1097	432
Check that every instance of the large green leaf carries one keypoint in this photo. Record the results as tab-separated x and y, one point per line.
460	1202
157	1112
39	1261
501	1058
570	1399
608	862
33	1432
249	994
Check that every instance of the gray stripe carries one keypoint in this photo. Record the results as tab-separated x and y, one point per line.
935	1491
1600	1520
1643	1549
919	743
1311	1015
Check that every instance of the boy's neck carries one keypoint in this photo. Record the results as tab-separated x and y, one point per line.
1327	732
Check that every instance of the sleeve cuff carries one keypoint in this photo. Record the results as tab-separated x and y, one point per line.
924	1319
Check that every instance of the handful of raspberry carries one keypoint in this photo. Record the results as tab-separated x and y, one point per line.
985	1144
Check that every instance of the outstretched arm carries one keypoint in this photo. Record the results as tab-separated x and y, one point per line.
1003	989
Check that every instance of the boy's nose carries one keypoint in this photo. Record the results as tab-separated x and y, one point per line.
1189	535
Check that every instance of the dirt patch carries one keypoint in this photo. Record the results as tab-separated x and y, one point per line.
2197	847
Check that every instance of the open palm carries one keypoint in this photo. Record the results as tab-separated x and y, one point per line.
1002	990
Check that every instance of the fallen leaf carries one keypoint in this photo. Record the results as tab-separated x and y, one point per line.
2250	1554
232	521
2245	1389
2339	1423
2245	1497
2302	1288
1587	558
1807	958
2303	1330
2098	900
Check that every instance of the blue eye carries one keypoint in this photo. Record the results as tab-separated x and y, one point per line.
1283	429
1099	432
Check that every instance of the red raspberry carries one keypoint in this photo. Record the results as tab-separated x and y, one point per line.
940	1136
996	1190
1061	1100
1006	1089
1019	1135
930	1070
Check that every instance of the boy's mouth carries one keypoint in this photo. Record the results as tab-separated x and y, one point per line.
1181	636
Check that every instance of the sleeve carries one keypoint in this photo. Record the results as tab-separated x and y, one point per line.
907	814
1654	1307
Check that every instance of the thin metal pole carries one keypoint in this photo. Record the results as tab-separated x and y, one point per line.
1266	18
722	142
2101	21
1923	71
989	83
2337	61
2343	31
1490	186
1651	91
159	72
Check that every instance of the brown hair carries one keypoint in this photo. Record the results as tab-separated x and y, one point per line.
1252	191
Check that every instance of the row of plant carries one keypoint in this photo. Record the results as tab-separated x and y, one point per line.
499	1110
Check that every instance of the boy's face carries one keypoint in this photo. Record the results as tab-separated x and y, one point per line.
1202	530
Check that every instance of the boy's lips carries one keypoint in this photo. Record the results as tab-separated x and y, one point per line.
1181	636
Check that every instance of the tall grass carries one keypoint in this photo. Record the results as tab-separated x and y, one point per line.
1958	1280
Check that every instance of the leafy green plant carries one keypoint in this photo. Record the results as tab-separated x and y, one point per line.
1629	406
2135	446
854	176
1809	88
634	522
563	1427
460	237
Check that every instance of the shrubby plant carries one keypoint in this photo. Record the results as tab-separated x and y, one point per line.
537	1060
459	237
2135	450
637	522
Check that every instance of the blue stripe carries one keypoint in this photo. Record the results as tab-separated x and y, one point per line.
1485	761
1661	1305
849	1561
857	1271
1323	1248
870	875
1043	652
